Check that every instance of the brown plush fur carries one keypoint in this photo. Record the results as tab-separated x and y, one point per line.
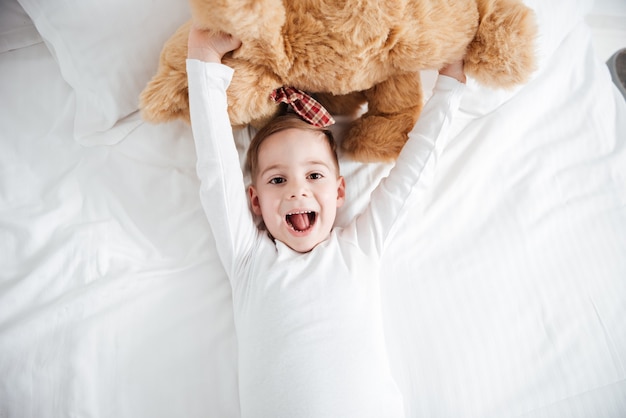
349	51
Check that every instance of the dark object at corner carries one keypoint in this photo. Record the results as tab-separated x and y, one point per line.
617	66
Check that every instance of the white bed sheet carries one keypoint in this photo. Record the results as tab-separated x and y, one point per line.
504	296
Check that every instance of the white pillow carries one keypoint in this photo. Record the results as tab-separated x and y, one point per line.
16	29
107	51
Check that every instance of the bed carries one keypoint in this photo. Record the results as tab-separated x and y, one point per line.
504	294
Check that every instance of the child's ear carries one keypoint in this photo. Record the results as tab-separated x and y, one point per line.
341	191
254	201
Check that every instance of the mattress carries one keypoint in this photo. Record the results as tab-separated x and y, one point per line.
504	294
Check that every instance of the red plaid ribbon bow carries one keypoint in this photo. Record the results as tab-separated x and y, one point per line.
304	105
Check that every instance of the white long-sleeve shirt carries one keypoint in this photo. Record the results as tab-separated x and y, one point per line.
309	326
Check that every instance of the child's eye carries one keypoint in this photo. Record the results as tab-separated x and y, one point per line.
315	176
277	180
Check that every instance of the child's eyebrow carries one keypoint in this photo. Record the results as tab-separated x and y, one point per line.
271	168
316	162
280	167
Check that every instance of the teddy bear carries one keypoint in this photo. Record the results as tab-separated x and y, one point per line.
347	53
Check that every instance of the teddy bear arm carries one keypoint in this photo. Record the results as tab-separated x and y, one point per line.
166	96
502	54
245	19
257	23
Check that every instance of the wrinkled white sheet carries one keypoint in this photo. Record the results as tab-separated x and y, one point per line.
505	295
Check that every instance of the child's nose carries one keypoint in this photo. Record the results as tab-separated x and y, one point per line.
299	193
299	189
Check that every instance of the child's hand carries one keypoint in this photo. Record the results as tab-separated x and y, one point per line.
454	70
208	46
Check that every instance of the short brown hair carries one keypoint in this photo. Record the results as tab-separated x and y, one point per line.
279	124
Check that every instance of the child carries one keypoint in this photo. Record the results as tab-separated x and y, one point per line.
306	295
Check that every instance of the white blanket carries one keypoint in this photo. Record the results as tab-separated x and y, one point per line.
504	295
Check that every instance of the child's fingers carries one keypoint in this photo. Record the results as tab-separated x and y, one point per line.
231	42
209	45
454	70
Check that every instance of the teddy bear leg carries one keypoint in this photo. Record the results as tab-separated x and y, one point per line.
166	96
393	108
502	54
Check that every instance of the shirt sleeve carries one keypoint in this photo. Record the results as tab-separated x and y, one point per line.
397	191
222	190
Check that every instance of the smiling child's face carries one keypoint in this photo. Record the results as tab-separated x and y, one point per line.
297	188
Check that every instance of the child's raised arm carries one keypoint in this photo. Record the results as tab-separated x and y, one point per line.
395	194
222	188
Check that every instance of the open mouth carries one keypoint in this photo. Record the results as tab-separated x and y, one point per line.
301	221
